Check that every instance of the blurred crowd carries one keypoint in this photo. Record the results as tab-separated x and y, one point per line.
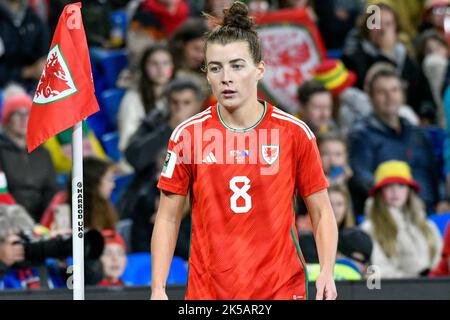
379	105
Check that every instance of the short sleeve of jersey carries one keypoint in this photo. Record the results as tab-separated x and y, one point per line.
310	177
176	174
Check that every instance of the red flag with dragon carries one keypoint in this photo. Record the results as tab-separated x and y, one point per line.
65	93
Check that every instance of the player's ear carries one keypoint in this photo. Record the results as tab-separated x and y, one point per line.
261	68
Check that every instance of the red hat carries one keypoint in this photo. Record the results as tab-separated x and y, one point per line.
393	171
14	103
334	76
113	237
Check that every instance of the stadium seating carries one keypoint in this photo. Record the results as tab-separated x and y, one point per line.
110	142
441	220
138	271
109	104
108	65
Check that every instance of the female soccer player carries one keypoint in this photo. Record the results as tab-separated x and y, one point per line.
242	161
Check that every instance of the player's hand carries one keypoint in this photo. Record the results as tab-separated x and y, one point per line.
159	295
326	289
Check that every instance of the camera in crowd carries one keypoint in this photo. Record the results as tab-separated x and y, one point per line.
37	251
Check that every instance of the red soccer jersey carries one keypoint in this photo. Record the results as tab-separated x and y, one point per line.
242	182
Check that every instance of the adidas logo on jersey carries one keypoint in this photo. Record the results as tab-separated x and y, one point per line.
210	158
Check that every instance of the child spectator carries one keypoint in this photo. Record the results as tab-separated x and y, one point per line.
114	259
334	155
316	107
405	243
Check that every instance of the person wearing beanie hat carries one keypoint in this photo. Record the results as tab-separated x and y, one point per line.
350	103
31	177
334	76
114	258
16	103
405	243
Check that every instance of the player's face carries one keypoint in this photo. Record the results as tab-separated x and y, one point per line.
114	261
232	74
319	109
395	195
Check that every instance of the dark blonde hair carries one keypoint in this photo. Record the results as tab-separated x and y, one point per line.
385	229
349	220
99	213
237	26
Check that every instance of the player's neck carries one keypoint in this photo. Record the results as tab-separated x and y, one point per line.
244	116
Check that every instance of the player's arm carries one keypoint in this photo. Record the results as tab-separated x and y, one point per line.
326	236
164	239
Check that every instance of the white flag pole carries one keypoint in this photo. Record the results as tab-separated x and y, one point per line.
77	212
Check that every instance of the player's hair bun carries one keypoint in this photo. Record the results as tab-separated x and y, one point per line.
237	17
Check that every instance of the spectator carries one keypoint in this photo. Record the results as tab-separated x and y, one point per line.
158	19
384	135
443	267
405	111
316	107
24	42
383	45
187	46
351	104
99	213
355	249
334	155
215	7
342	206
31	177
11	251
335	19
434	15
433	55
408	13
258	6
22	269
146	154
354	245
25	248
114	259
405	243
156	70
152	21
